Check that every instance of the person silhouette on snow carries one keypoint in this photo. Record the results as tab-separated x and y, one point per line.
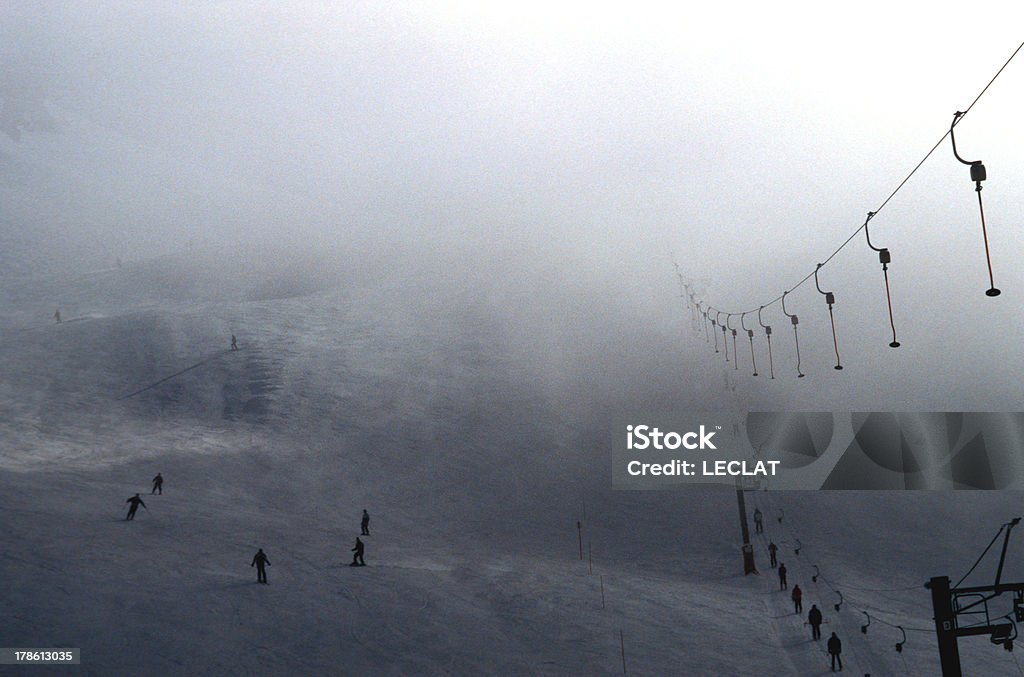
158	484
814	618
782	577
835	647
357	558
135	501
365	524
56	316
234	342
758	521
772	550
798	600
261	563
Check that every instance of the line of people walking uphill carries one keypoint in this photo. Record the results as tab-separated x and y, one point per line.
814	617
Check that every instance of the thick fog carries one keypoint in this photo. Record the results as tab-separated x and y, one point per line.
555	159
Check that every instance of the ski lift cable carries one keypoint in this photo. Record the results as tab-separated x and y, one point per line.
980	557
872	613
860	589
847	586
853	605
898	187
846	600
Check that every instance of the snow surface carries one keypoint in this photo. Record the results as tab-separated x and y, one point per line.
474	444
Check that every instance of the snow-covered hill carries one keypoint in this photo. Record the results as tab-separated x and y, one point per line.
475	441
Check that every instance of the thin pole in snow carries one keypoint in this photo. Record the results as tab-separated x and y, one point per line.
590	558
622	645
579	529
602	590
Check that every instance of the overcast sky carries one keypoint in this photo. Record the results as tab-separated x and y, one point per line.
747	140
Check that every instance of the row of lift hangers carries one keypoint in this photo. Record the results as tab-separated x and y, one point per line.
714	317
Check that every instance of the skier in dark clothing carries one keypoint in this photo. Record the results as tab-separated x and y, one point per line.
798	600
261	563
158	484
357	558
234	343
56	316
365	523
772	549
835	647
814	618
758	521
135	503
782	577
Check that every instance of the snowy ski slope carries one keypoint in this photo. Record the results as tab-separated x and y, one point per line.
475	445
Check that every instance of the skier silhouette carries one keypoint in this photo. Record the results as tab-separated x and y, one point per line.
261	563
814	618
772	549
135	503
835	647
234	342
798	600
365	523
357	558
56	316
158	484
758	521
782	577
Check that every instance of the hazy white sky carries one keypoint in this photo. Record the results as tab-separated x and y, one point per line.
749	139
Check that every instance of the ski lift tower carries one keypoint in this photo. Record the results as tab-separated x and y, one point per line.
950	603
743	485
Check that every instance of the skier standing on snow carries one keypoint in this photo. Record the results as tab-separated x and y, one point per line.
814	618
758	521
357	558
365	523
835	647
234	342
782	577
261	563
56	316
135	503
158	484
798	600
772	549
